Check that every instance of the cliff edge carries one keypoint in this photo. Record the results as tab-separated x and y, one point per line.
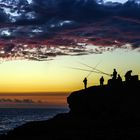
117	100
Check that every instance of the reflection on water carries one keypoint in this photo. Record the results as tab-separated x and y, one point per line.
11	118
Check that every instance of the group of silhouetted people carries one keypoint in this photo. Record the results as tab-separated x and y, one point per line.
127	76
116	78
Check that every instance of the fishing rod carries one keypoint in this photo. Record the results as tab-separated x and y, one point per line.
84	70
101	72
88	70
93	69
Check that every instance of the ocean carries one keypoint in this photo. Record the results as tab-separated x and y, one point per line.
11	118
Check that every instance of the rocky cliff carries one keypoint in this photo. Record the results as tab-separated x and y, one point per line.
106	101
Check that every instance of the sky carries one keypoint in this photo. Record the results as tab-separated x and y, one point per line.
121	1
44	44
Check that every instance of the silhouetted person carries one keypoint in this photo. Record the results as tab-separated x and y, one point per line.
128	75
85	82
114	75
119	78
102	81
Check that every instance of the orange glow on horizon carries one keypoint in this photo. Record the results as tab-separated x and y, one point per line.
48	77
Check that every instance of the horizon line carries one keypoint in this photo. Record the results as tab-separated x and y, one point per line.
34	93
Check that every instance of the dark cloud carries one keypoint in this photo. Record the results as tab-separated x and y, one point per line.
3	17
68	22
43	11
131	9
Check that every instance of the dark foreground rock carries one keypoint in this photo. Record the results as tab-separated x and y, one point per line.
64	127
97	113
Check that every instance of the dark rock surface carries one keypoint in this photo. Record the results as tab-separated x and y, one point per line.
102	112
106	101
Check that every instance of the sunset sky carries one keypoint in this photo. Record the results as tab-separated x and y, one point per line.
41	42
58	76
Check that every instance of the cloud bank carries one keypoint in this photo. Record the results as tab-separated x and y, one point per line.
66	27
19	101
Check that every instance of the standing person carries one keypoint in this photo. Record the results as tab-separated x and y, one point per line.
85	82
114	75
102	81
119	78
